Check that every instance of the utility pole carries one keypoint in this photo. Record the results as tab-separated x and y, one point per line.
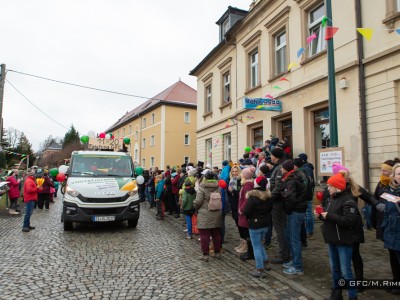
334	141
2	80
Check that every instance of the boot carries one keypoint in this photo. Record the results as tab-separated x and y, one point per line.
13	212
204	258
240	245
242	249
336	295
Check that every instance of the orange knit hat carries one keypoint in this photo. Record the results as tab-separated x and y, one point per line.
337	181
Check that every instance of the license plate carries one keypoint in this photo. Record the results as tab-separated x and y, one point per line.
103	218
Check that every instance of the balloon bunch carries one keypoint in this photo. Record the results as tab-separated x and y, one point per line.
139	174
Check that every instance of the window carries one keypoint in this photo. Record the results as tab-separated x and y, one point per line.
143	143
136	154
152	141
143	163
280	53
398	5
254	69
118	133
227	87
152	161
153	118
187	139
136	135
209	151
258	140
208	100
130	129
187	160
227	146
186	117
144	123
315	26
123	131
225	27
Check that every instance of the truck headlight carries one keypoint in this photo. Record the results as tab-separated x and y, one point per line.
72	192
133	192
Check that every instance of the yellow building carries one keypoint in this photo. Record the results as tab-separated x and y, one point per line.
162	130
278	49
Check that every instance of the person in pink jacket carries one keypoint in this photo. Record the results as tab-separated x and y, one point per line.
30	197
13	193
247	185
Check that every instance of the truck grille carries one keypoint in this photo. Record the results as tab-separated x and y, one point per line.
103	200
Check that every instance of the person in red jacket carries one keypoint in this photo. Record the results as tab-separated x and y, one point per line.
14	192
45	192
30	197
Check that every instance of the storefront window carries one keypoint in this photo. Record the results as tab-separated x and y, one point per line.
258	137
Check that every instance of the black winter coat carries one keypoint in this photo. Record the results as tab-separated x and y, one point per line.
294	193
258	209
376	215
342	214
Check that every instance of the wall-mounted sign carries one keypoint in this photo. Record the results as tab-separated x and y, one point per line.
327	157
262	104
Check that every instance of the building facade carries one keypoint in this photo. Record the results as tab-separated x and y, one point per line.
278	50
163	129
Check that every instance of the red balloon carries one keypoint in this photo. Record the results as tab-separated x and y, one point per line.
320	195
60	177
102	135
222	184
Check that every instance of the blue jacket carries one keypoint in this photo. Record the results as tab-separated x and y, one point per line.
160	189
391	223
225	174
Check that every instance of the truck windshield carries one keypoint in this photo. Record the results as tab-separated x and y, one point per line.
92	165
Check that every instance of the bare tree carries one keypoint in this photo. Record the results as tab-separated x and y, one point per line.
12	135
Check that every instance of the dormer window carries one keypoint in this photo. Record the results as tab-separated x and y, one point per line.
225	26
229	19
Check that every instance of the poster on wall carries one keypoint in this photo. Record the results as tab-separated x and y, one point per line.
262	104
327	157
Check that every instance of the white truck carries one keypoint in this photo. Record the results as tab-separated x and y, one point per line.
100	187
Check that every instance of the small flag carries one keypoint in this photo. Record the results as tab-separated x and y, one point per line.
300	52
366	32
330	32
311	37
276	87
269	96
324	20
259	106
398	31
291	65
284	79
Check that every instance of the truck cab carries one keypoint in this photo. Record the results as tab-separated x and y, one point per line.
100	187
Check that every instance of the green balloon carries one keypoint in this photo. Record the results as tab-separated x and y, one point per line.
139	171
127	141
54	172
84	139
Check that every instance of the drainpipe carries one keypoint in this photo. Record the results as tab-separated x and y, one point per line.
363	104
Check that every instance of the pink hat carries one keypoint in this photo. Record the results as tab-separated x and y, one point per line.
338	167
248	172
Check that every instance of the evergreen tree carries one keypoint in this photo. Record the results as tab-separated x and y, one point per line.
71	137
25	147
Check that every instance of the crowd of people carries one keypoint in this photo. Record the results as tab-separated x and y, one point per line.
268	190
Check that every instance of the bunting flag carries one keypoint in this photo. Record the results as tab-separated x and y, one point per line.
330	32
15	153
311	37
284	79
259	106
398	31
300	52
276	87
291	65
270	96
324	20
366	32
241	120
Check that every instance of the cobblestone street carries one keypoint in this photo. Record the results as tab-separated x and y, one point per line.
153	261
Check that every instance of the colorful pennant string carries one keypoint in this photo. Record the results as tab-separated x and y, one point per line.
324	20
330	32
300	52
284	79
366	32
311	37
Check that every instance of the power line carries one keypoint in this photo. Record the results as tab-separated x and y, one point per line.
81	86
35	105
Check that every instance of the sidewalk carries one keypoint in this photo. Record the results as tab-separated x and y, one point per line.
316	281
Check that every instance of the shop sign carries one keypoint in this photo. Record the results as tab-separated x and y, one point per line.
262	104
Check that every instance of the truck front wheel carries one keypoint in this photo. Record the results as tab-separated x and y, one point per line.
68	226
133	223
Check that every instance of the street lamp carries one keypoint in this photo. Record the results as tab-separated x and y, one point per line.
334	141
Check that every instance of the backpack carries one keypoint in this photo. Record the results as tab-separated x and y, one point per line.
309	187
215	201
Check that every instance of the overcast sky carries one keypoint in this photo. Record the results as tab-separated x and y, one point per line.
136	47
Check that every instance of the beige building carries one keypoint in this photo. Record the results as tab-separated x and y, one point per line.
268	50
163	129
